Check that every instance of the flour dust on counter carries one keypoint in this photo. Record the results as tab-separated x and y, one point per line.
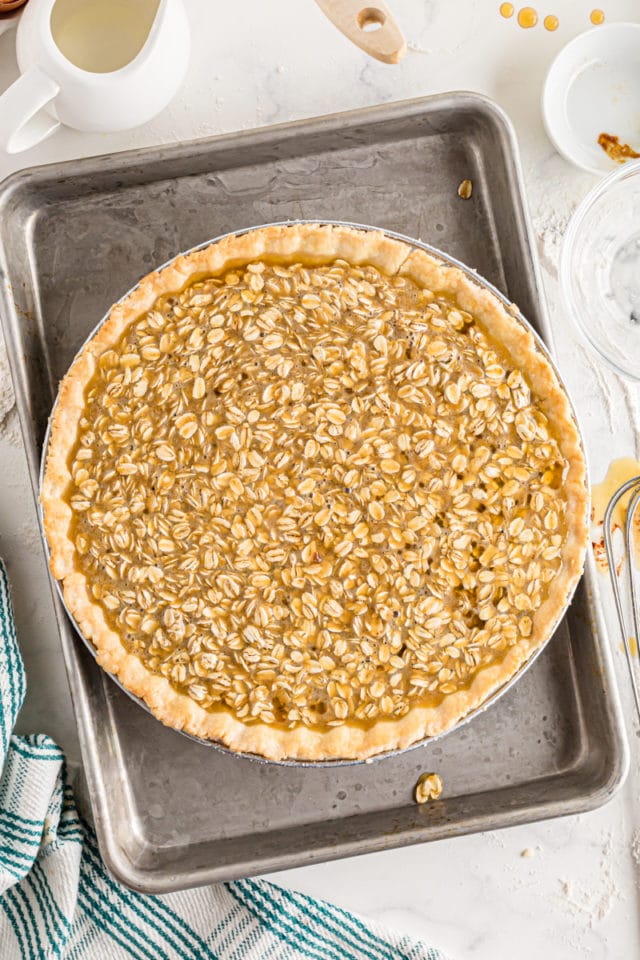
8	426
635	847
594	900
603	383
7	399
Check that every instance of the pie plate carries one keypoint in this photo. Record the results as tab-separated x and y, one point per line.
480	281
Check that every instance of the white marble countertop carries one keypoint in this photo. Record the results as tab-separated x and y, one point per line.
256	63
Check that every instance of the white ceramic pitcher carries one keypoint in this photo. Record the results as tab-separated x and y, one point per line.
96	65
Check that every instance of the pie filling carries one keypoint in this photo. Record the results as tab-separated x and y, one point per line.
314	495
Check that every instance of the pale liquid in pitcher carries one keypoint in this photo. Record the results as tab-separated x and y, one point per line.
102	35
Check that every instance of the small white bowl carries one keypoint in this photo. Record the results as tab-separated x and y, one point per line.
593	87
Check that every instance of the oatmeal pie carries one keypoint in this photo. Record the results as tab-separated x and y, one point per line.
314	494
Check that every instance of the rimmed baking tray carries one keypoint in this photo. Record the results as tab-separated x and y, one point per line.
169	812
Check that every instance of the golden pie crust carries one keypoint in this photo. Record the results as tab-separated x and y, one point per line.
347	737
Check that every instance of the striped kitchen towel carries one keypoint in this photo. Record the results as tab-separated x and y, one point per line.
57	899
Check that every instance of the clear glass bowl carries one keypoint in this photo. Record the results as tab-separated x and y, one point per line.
600	269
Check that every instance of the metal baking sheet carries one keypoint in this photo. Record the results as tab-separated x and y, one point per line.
172	813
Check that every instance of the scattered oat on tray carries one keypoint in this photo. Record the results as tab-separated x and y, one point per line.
428	787
465	189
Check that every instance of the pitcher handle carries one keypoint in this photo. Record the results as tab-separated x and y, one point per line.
22	125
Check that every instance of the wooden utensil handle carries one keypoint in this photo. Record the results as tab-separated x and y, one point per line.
7	6
371	26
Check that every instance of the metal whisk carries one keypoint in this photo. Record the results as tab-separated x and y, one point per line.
629	566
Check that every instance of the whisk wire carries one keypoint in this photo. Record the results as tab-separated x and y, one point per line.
629	566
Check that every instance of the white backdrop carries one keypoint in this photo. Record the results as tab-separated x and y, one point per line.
255	63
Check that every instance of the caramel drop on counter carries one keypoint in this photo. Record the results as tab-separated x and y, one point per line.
597	17
506	10
551	23
633	647
618	473
527	17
